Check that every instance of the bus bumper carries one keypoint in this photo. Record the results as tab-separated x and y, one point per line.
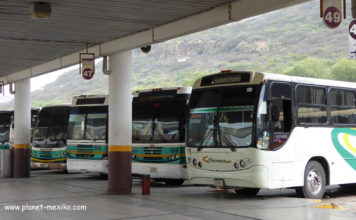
53	166
254	177
90	166
161	171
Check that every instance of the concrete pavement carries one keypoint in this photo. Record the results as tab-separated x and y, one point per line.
52	195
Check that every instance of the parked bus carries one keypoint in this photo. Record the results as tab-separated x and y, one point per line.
158	133
248	131
5	123
87	144
50	138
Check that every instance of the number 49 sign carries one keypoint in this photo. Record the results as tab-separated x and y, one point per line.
352	39
331	12
352	29
332	17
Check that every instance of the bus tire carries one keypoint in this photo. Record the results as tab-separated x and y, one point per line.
247	191
104	175
314	181
174	182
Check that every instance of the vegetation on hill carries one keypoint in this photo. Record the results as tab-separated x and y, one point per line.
291	41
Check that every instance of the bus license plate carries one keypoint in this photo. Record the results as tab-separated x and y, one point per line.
218	183
153	169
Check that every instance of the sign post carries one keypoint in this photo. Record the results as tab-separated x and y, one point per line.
87	65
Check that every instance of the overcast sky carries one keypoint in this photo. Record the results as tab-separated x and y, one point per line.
38	82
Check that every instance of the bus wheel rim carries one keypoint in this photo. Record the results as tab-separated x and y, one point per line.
314	181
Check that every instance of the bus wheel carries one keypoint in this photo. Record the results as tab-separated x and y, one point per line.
104	175
174	182
314	181
247	191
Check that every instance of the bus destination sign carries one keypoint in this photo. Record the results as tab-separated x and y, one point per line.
226	80
230	78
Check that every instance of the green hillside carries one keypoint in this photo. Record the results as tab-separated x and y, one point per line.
290	41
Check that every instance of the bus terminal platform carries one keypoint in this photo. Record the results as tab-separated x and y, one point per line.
55	195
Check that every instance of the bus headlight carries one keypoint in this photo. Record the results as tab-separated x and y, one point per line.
242	164
199	164
194	162
236	165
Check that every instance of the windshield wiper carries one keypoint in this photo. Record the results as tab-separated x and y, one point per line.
153	128
222	136
207	136
217	131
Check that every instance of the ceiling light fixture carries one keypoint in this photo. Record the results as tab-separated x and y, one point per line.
40	10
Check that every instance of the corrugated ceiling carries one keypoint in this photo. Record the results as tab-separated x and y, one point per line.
26	42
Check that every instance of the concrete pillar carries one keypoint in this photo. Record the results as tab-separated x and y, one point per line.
22	135
120	124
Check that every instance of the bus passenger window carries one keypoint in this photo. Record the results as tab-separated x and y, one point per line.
311	104
342	106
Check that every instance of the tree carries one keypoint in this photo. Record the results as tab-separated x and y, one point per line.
344	70
310	67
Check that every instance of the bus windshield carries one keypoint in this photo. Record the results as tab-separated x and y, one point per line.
5	121
221	117
88	123
52	124
160	122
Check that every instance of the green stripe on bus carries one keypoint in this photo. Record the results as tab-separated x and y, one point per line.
347	155
4	146
222	109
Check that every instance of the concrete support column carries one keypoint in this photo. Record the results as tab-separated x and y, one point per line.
120	124
22	136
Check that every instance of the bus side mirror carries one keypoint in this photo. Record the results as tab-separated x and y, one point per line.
275	113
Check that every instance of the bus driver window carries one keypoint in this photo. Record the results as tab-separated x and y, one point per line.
281	113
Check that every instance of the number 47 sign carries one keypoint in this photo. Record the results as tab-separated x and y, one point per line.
330	10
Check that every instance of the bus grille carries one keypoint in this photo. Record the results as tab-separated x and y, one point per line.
85	148
152	150
45	154
153	158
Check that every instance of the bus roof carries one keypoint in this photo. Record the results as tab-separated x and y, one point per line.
258	77
90	100
180	90
56	106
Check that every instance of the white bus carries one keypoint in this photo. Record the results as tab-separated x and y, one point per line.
249	130
158	133
50	138
87	143
5	124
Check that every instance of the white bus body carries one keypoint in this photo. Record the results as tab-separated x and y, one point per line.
161	153
316	148
87	146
